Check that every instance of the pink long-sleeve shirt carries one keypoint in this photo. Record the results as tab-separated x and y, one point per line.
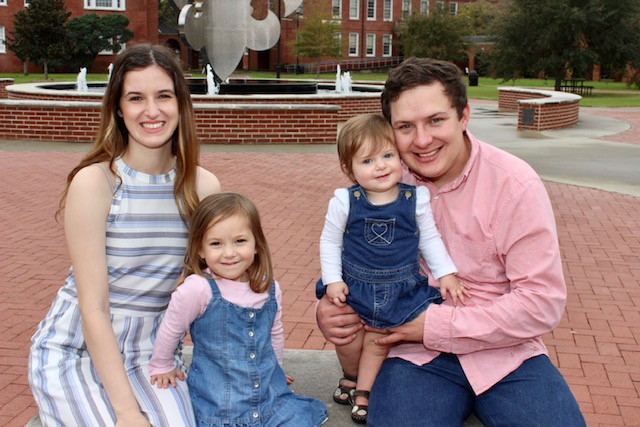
190	300
498	225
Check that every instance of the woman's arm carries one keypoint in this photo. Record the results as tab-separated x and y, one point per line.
85	218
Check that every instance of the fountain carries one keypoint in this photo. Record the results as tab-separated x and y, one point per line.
244	111
343	81
110	68
81	81
212	87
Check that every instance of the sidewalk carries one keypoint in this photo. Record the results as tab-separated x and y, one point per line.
596	202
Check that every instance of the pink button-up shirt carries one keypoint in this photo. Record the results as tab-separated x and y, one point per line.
498	225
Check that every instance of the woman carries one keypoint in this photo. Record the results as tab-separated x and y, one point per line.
125	205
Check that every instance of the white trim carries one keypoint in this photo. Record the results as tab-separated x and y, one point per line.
387	10
355	45
388	37
371	18
371	45
119	5
355	3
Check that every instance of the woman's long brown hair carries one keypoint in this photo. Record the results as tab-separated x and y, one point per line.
112	138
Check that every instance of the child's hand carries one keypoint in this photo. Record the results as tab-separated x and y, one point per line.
450	284
289	379
163	380
337	293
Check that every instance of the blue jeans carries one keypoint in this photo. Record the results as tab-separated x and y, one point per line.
438	394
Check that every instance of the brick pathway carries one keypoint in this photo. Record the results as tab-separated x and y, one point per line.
596	345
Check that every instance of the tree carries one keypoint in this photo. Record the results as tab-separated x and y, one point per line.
39	33
168	13
477	17
556	37
437	35
91	34
316	38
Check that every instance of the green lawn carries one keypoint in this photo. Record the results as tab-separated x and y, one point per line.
605	94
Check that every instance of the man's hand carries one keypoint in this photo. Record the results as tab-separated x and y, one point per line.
338	324
409	332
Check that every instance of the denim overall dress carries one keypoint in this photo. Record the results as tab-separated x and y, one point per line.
235	378
380	260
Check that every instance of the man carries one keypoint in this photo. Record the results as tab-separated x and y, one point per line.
496	220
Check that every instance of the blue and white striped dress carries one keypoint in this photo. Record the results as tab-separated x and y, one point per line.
146	242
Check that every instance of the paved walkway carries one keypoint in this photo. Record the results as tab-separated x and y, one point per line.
592	173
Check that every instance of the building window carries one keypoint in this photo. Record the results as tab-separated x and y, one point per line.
3	2
3	41
387	10
123	46
26	2
353	44
336	7
338	36
371	45
271	5
354	9
105	4
453	6
386	45
424	7
371	10
406	9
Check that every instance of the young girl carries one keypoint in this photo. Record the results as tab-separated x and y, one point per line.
125	205
370	247
230	303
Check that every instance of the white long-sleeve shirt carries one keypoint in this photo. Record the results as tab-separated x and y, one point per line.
431	246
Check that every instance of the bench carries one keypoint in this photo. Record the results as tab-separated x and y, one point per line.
540	109
315	374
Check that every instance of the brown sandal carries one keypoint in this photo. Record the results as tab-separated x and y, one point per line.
343	393
359	412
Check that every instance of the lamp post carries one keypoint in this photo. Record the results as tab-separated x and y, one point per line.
279	39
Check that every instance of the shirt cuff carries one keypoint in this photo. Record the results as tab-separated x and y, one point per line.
437	328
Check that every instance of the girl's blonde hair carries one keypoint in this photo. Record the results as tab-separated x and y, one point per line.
371	129
112	137
216	208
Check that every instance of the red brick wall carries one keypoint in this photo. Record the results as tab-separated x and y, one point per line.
548	114
551	115
3	87
222	124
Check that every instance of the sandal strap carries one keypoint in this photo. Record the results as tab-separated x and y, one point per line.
353	378
361	393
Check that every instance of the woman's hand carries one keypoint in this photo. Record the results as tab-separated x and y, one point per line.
409	332
338	324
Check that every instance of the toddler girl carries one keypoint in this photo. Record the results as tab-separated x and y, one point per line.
374	234
230	303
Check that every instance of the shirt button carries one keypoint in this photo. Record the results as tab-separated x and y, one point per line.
251	333
255	415
435	197
251	314
252	355
256	384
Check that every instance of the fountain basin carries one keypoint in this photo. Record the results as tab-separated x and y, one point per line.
34	112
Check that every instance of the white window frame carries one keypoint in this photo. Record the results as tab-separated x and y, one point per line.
3	2
424	7
354	43
336	9
387	10
108	52
371	10
371	45
387	45
115	5
354	9
453	7
26	3
406	9
3	41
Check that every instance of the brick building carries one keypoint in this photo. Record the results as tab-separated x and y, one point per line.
367	30
142	14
